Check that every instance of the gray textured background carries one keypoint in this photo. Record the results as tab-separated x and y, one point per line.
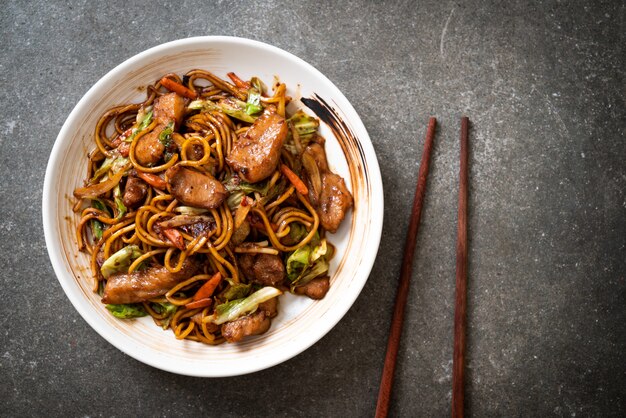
544	86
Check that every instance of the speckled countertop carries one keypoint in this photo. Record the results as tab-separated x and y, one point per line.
544	86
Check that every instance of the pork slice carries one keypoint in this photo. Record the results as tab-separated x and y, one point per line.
268	269
255	154
334	202
246	264
193	188
134	192
315	289
265	269
169	108
253	324
149	149
142	285
327	191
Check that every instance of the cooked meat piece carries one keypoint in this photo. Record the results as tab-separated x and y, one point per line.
334	199
268	269
265	269
167	108
253	324
193	188
255	154
315	289
241	233
246	264
270	307
145	284
199	228
134	192
193	225
149	149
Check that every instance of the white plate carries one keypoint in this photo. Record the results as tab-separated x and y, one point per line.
301	321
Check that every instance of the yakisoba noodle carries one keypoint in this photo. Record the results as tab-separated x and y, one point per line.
204	203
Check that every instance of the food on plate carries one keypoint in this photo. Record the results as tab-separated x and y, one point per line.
205	203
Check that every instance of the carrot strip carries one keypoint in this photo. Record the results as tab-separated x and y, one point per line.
295	180
238	81
207	289
152	179
175	237
202	303
178	88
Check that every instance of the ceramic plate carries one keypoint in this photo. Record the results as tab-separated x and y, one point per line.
301	321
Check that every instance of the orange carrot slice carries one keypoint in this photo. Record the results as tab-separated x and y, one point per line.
207	289
178	88
202	303
175	237
152	179
295	180
238	81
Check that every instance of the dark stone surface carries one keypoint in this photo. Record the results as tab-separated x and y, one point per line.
544	87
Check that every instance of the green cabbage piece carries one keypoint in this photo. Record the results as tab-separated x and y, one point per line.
143	120
254	102
97	227
233	184
165	308
319	268
125	311
297	262
305	125
237	308
146	120
307	262
120	261
236	290
237	189
297	231
234	108
319	251
115	164
102	170
121	207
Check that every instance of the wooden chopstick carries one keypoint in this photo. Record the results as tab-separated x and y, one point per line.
458	360
386	381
